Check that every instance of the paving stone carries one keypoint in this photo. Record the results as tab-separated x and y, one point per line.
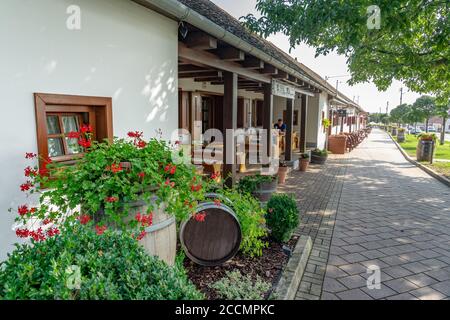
443	287
332	285
381	293
353	268
421	279
354	294
401	285
440	274
352	282
427	293
403	296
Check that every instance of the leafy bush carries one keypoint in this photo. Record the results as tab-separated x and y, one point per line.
235	286
427	136
282	216
82	265
304	155
320	153
250	183
251	218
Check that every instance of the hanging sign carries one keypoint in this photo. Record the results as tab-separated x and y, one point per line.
342	112
282	90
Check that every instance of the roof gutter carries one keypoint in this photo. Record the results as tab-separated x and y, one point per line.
182	13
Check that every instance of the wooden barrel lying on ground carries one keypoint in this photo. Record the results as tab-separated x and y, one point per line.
216	239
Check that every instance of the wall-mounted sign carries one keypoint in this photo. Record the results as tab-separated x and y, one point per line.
282	90
342	112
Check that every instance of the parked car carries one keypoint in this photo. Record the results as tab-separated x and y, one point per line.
415	131
431	129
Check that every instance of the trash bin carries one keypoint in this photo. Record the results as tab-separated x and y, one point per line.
337	144
425	150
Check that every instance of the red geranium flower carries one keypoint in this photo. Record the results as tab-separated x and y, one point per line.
52	232
141	144
30	172
22	233
85	143
37	235
196	188
135	134
26	186
141	235
30	155
200	217
141	175
111	199
73	135
22	210
86	128
100	230
46	221
84	219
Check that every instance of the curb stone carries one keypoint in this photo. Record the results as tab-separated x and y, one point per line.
292	274
431	172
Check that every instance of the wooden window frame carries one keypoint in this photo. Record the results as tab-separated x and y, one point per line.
99	109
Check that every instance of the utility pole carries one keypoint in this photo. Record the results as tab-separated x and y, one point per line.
401	95
387	108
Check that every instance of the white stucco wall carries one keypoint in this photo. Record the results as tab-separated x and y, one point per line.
314	129
123	51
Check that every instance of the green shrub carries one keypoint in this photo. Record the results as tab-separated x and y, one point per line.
282	216
235	286
250	183
251	218
320	153
80	264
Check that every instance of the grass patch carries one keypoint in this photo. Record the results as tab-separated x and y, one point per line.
410	144
441	168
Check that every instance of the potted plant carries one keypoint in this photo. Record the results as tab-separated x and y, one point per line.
401	135
304	161
282	172
326	123
425	147
126	184
319	156
260	186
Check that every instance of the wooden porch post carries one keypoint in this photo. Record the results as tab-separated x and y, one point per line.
268	116
303	107
289	127
230	100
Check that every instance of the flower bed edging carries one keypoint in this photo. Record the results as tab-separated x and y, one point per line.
293	272
431	172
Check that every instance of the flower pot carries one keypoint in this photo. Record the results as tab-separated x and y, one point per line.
265	190
303	164
425	150
317	159
282	172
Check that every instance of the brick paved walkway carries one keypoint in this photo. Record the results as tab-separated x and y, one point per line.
372	207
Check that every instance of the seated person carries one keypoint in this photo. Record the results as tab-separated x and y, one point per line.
280	125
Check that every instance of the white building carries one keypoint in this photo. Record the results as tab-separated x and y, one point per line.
124	65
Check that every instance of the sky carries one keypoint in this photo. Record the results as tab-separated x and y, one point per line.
331	65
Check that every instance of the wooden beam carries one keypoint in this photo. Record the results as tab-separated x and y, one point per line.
208	59
303	110
268	117
201	41
289	127
191	68
231	54
253	63
208	74
207	79
269	69
230	102
281	75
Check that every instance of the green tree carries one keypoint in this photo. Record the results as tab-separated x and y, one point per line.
398	114
425	107
410	45
442	111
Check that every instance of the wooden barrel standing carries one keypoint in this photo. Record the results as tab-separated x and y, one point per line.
161	237
265	190
216	239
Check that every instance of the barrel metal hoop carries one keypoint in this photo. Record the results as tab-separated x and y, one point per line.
160	225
